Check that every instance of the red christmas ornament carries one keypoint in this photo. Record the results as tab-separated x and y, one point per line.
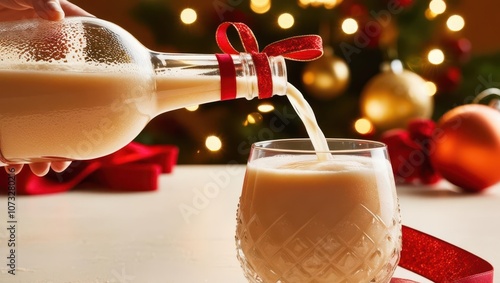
369	33
354	9
466	149
449	79
409	152
459	49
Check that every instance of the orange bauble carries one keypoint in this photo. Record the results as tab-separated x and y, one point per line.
467	147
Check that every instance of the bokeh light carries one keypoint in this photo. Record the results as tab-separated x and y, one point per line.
213	143
286	20
363	126
349	26
260	6
437	7
328	4
188	16
435	56
265	107
253	118
431	88
455	23
192	108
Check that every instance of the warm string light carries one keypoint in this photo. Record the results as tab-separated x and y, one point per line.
350	26
437	7
260	6
265	107
328	4
455	23
213	143
188	16
363	126
253	118
286	20
192	108
431	88
435	56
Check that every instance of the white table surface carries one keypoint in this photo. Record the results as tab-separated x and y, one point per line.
184	232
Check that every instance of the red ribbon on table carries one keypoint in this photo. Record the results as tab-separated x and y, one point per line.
298	48
135	167
441	261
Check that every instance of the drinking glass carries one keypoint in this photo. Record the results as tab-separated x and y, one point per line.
307	216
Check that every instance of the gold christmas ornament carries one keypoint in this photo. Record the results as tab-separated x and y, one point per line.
326	77
394	97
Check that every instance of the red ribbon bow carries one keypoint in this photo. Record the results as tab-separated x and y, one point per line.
298	48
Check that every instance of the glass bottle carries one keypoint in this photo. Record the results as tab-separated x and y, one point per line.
82	88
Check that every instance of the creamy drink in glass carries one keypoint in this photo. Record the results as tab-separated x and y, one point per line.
306	218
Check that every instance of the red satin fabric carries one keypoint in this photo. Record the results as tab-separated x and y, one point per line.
135	167
299	48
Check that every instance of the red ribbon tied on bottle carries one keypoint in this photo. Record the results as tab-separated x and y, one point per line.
297	48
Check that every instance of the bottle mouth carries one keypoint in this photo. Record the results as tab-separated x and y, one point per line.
279	75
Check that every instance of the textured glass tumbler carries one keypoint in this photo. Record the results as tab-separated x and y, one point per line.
330	217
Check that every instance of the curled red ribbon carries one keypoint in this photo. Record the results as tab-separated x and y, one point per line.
298	48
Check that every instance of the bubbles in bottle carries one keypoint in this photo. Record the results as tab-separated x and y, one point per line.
73	44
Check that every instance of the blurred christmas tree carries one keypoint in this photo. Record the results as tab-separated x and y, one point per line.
385	62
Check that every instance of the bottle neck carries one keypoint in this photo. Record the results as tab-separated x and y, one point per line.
184	80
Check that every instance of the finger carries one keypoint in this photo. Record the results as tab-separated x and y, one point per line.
48	9
40	168
59	166
15	168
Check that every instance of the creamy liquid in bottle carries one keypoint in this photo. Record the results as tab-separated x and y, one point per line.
83	115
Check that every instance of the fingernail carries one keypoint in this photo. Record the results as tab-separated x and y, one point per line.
54	6
14	169
55	10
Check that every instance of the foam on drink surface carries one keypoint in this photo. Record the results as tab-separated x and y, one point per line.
307	163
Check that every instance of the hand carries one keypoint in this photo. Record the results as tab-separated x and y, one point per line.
39	168
53	10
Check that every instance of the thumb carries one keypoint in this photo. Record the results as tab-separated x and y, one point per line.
48	9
